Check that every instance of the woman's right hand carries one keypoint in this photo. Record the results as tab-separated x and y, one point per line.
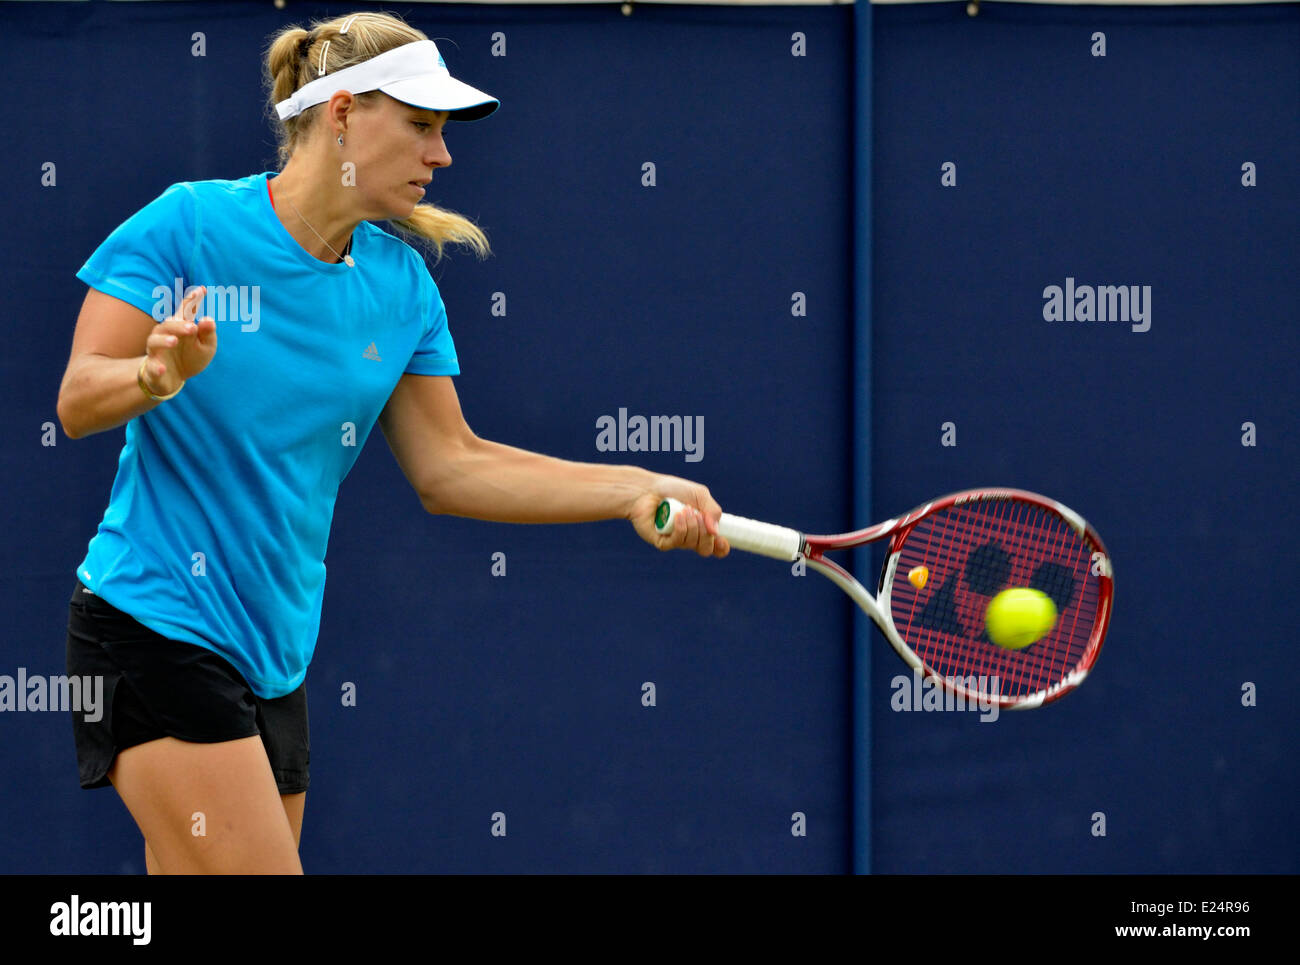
180	347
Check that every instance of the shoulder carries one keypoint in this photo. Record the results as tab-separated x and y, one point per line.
190	197
219	191
401	257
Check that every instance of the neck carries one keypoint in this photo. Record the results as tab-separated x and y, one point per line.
320	204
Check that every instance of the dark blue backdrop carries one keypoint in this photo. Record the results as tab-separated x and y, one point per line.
1117	170
521	693
518	694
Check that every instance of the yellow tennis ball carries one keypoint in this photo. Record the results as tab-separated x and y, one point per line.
1019	616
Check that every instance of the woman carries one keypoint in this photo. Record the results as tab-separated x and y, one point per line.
199	598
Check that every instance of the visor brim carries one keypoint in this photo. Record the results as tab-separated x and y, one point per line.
462	102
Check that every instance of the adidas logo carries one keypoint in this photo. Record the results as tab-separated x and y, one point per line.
372	353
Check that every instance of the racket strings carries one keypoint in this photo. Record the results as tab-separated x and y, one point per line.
973	552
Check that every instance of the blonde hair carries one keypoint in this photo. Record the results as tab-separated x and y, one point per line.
293	59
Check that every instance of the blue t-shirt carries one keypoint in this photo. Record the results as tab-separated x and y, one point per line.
220	513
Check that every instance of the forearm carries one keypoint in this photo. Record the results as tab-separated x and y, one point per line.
101	393
487	480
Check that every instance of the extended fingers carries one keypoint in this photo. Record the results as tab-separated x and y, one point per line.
168	334
190	304
162	338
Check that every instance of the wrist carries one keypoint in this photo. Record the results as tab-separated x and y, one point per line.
640	483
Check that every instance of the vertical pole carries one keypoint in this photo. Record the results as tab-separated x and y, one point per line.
863	630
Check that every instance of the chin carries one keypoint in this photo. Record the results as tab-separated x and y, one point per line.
401	210
407	205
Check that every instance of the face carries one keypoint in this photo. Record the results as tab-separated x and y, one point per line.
396	149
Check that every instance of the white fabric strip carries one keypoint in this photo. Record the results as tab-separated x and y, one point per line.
418	59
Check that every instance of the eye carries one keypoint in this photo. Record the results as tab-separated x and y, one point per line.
422	125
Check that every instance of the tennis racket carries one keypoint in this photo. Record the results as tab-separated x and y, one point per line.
945	561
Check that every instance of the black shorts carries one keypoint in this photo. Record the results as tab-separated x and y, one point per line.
155	687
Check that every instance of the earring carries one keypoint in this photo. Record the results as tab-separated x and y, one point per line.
340	140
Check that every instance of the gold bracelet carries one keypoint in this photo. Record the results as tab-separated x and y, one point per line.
139	377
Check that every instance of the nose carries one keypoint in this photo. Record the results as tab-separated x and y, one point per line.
439	156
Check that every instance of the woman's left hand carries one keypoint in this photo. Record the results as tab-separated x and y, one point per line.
697	525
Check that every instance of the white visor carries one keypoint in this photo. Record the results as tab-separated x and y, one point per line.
414	74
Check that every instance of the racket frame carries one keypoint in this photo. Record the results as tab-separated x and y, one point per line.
780	542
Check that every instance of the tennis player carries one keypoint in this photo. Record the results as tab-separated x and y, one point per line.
199	598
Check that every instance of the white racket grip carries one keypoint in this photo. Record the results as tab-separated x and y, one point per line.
778	542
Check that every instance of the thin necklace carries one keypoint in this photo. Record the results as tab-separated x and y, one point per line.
347	258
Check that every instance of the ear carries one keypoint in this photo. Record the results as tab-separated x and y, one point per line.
338	109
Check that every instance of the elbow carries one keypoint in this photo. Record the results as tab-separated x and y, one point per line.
435	498
66	423
431	492
442	490
429	502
